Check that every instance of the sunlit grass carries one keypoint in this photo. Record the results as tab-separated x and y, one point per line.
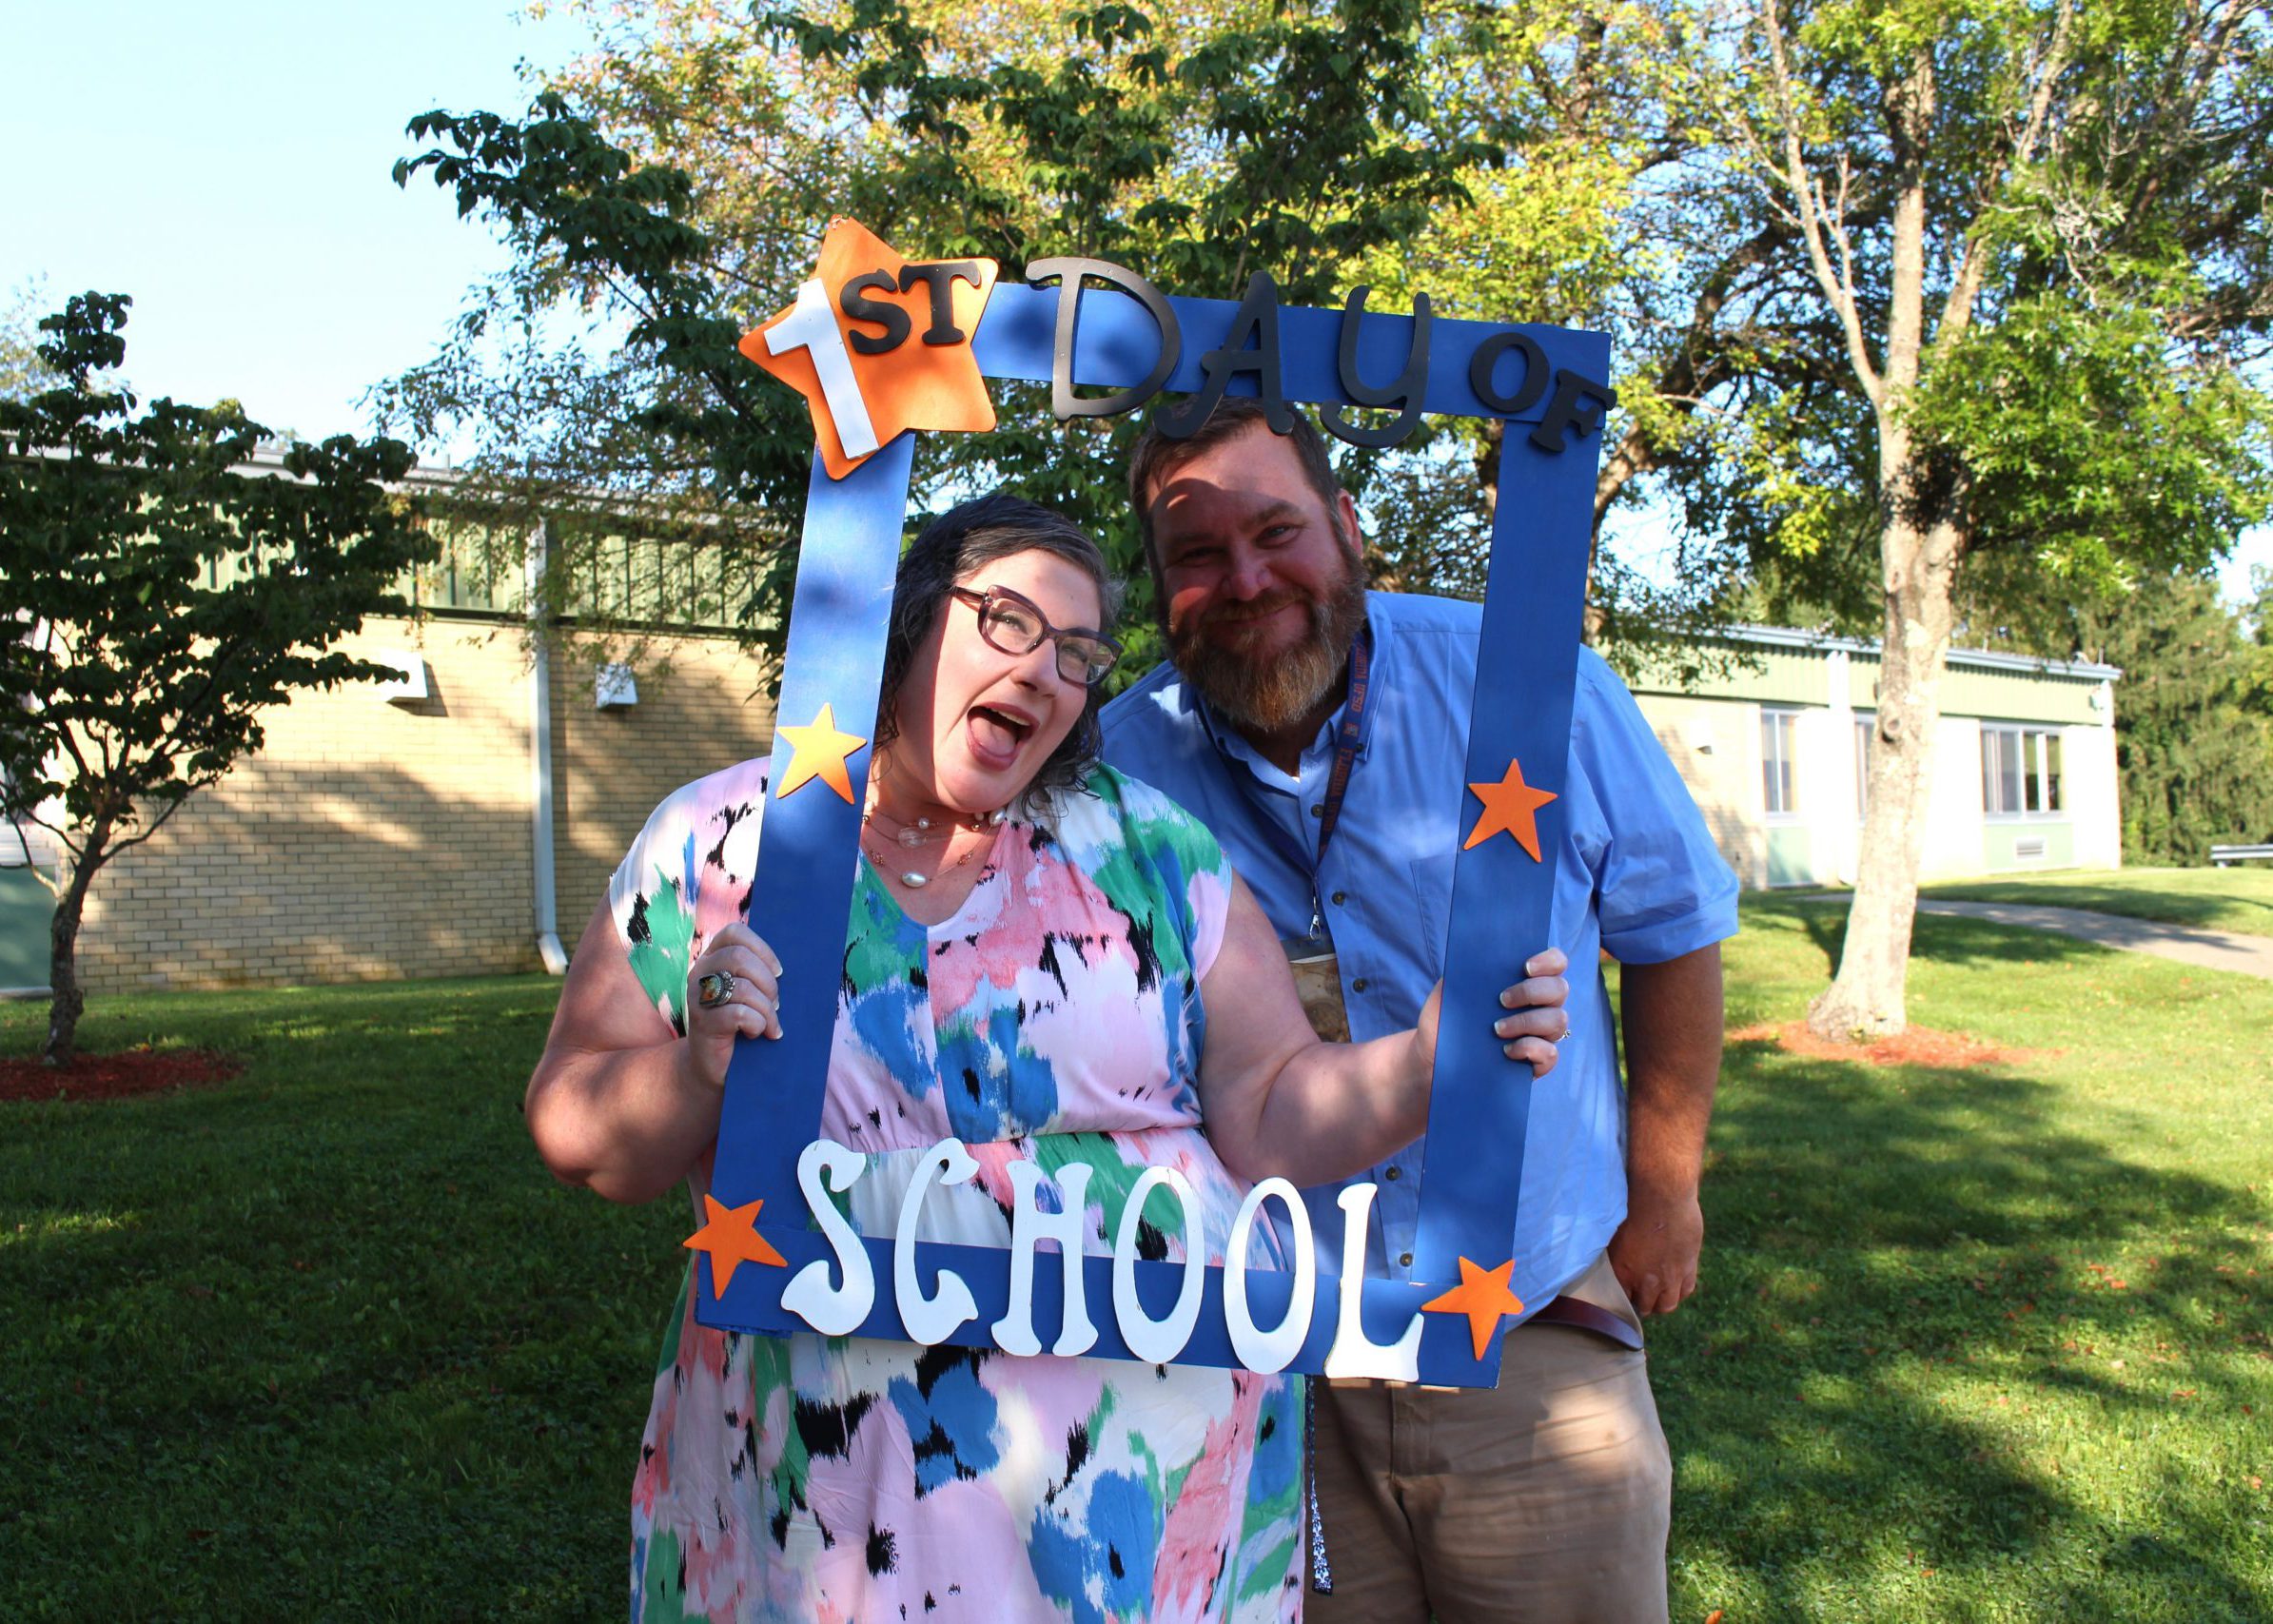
2239	898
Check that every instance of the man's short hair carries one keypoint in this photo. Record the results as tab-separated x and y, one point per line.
1156	455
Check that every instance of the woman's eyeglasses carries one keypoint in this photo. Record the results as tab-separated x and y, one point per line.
1012	624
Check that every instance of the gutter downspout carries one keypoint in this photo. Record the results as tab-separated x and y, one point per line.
540	755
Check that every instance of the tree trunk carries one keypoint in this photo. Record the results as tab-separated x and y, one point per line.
1865	999
67	1002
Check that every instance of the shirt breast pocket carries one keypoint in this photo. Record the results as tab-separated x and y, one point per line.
1432	901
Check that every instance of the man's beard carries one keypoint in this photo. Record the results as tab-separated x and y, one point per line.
1255	685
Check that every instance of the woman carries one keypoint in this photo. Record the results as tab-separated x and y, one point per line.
1034	944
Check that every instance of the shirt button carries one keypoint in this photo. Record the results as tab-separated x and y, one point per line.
1394	1174
1359	985
1340	896
1318	809
1404	1259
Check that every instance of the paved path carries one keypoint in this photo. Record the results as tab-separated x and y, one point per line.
2212	949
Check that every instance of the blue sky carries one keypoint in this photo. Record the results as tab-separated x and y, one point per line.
225	163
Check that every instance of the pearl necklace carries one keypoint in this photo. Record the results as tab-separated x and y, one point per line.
926	831
919	834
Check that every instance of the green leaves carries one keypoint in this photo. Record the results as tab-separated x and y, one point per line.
2095	444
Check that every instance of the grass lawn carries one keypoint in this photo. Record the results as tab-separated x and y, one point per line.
1992	1344
1984	1344
2239	898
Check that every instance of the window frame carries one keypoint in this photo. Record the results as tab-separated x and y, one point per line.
1782	722
1866	749
2040	760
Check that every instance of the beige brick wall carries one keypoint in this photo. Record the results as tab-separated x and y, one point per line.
377	840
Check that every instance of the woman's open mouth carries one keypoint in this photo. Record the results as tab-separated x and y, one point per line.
997	734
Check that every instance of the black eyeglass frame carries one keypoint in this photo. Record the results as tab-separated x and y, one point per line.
1089	676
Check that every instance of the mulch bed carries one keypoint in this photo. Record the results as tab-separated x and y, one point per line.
1919	1046
116	1076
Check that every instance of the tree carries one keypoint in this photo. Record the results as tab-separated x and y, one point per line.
21	370
1365	141
161	596
2009	254
2196	759
2258	622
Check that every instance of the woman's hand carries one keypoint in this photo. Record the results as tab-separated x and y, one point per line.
1539	1021
1530	1033
739	974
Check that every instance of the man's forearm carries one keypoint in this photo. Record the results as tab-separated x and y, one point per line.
1672	1030
1671	1019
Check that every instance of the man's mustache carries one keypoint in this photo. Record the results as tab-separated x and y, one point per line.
1256	608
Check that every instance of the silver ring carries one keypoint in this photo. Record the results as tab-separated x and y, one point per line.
713	988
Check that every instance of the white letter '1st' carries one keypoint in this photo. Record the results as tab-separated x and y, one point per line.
809	327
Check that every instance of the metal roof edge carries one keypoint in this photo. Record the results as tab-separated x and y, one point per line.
1990	659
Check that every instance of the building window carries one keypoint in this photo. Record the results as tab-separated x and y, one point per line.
1866	746
2020	771
1776	730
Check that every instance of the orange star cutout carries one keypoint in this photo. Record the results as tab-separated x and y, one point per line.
1509	805
819	751
1483	1295
732	1239
928	379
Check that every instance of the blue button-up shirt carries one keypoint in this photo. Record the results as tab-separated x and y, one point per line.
1637	873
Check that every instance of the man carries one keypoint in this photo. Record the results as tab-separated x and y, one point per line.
1548	1498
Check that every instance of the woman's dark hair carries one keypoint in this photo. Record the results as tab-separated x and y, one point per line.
949	550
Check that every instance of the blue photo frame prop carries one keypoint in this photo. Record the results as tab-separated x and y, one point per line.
1116	338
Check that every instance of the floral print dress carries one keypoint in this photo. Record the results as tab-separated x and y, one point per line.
1056	1017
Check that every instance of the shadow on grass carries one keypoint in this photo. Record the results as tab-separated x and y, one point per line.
1956	940
324	1340
1896	1398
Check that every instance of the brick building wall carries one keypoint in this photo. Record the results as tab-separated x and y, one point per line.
370	839
704	709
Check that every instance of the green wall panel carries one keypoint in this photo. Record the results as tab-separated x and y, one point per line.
25	910
1791	855
2000	841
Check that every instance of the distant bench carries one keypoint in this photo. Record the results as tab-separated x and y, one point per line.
2222	855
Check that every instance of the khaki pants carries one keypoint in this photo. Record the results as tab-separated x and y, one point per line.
1543	1501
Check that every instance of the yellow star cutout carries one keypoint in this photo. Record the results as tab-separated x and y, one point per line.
877	343
819	751
1483	1295
1509	805
732	1239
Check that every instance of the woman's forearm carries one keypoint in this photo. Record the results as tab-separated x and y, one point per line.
627	1124
1333	1110
615	1104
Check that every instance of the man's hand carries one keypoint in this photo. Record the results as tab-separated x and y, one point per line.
1655	1252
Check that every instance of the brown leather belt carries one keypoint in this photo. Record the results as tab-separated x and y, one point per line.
1586	1316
